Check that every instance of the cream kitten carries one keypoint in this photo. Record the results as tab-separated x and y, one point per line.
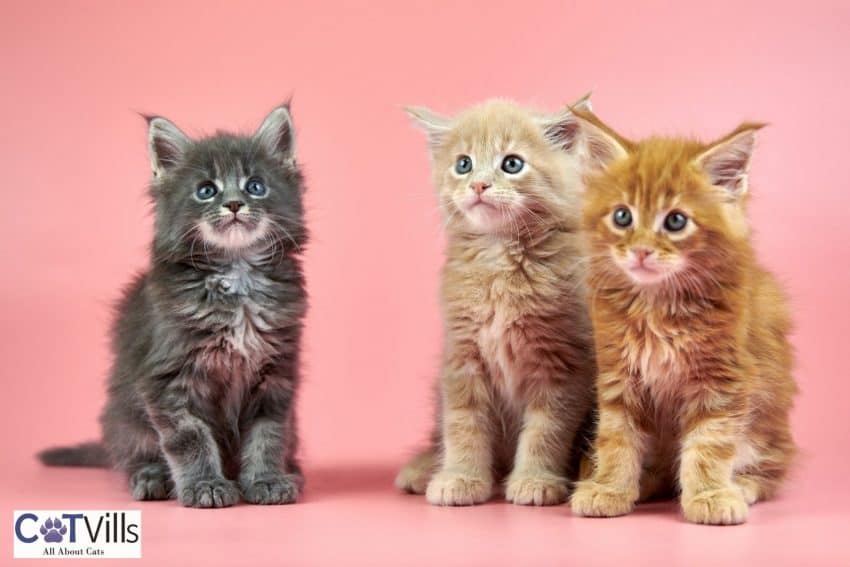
518	365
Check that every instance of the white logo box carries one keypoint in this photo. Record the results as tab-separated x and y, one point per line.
77	534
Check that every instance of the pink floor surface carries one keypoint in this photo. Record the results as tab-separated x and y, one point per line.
351	515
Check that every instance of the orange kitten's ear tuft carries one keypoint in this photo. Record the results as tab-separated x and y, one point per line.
727	161
583	104
435	125
580	132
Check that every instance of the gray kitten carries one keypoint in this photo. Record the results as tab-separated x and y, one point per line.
206	341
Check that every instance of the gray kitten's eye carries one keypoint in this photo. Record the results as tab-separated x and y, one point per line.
675	221
622	217
206	191
512	164
256	188
463	165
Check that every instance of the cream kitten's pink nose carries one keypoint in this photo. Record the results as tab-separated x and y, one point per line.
479	187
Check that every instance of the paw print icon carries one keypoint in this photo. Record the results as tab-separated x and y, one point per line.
53	530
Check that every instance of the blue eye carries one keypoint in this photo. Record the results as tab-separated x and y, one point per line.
622	217
512	164
675	221
255	187
463	165
206	191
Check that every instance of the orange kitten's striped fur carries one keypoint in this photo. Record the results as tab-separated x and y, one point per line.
517	374
695	384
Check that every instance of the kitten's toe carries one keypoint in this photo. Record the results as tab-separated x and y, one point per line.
593	499
457	489
151	482
209	493
538	489
724	506
271	488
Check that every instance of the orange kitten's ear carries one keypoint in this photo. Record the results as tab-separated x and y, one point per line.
435	125
580	132
727	162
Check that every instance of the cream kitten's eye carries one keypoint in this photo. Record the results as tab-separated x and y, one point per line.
463	165
512	164
622	217
675	221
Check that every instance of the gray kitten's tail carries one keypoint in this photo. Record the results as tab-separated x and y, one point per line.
83	455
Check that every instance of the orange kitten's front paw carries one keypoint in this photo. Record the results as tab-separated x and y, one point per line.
725	506
454	489
593	499
543	489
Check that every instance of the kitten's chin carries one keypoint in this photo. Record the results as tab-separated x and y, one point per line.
233	237
644	276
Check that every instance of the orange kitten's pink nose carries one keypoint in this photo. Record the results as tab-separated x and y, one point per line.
641	253
479	187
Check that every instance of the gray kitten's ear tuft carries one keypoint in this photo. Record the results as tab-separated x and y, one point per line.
727	161
277	134
167	144
435	125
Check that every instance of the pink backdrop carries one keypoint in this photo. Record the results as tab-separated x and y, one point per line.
75	167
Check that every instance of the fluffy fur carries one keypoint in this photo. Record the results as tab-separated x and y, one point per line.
695	384
206	341
517	370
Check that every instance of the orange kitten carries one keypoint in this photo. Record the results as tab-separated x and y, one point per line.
694	385
517	372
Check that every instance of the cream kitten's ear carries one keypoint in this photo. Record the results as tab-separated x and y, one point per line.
579	132
434	125
166	144
727	162
278	134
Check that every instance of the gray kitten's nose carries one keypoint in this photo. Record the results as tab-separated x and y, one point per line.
234	205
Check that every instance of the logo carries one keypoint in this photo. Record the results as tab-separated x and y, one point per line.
90	534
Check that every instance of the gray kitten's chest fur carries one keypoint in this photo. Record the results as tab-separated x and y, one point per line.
236	315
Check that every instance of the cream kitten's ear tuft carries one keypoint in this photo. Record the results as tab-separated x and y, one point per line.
278	134
166	144
435	125
727	161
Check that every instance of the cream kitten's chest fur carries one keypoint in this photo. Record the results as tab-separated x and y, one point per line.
502	298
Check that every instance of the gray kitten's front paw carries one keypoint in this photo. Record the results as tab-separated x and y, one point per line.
271	488
151	482
209	493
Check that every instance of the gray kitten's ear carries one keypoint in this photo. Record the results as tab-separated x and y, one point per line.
727	161
166	144
277	134
434	125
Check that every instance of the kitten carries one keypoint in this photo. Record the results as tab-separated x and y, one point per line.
206	341
695	384
517	370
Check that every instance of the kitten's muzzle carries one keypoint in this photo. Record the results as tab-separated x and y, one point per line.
234	206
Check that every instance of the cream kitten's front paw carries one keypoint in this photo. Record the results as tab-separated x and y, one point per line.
593	499
725	506
455	489
541	489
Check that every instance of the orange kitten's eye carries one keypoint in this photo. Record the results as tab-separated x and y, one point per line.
463	165
622	217
675	221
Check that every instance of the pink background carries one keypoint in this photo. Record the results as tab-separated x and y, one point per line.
74	168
